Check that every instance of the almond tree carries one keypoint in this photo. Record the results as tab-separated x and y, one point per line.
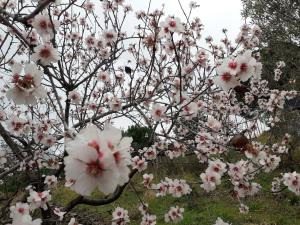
70	73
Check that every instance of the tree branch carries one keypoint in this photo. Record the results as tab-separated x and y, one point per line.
105	201
8	140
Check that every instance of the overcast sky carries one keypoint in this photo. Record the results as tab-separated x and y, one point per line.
214	14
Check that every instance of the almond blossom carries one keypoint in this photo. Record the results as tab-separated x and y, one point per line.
109	36
175	187
20	215
178	188
210	180
243	189
115	104
16	124
192	98
292	181
89	6
147	179
237	170
225	80
2	115
243	208
216	166
19	210
158	112
59	213
38	199
90	41
26	220
27	88
150	153
246	66
176	151
45	26
75	97
50	180
148	219
104	76
143	208
213	123
120	216
174	215
139	163
171	24
162	188
45	54
234	70
97	159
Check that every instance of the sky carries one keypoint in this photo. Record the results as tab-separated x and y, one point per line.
214	14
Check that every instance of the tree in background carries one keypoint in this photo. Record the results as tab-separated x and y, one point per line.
279	19
280	41
141	137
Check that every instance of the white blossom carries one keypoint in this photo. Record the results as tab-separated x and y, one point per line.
97	159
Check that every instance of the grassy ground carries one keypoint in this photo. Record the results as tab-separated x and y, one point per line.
201	208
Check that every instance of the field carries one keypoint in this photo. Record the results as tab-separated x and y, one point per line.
201	208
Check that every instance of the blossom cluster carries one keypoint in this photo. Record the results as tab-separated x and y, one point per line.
20	215
174	187
232	71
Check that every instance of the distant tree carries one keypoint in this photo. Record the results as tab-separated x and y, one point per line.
290	54
280	41
141	136
279	19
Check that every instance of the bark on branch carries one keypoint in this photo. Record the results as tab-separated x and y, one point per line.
8	140
104	201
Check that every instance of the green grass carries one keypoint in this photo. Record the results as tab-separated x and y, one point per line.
201	208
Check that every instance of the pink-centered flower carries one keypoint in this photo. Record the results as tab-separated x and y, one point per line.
210	180
46	54
174	215
45	26
75	97
171	24
292	181
27	87
246	65
226	79
158	111
120	216
97	159
20	215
